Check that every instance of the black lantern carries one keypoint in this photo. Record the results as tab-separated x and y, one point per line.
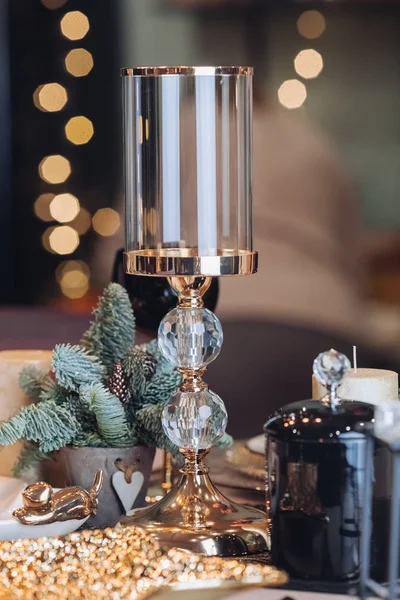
316	461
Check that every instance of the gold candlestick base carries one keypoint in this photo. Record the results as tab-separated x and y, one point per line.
195	516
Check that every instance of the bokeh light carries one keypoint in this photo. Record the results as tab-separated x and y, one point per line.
79	62
53	4
292	93
311	24
42	207
140	129
64	208
63	240
79	130
106	221
73	277
82	222
74	25
46	239
50	97
54	169
308	63
74	285
71	265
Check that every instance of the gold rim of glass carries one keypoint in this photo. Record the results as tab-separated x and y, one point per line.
184	70
183	262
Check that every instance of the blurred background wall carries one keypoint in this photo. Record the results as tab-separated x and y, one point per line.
6	205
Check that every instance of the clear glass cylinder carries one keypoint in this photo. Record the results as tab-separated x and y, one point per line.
188	170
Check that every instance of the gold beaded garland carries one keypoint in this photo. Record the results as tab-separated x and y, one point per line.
121	563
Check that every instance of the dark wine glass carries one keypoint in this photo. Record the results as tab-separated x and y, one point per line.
152	297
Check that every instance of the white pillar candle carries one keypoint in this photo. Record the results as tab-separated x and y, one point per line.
365	385
12	398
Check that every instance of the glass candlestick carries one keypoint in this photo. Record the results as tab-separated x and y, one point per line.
187	151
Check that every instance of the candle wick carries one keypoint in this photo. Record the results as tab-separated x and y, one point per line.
355	358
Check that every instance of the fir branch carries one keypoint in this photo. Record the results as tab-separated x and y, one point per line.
83	413
89	439
51	390
47	423
113	328
32	381
151	431
112	423
76	408
75	367
152	348
161	387
29	457
133	367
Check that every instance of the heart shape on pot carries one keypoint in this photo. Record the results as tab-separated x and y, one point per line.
127	492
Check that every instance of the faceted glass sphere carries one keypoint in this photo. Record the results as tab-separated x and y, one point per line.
195	420
330	367
190	337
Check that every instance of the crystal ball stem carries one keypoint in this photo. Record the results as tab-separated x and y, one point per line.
190	338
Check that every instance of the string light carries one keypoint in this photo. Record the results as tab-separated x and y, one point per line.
63	239
150	220
74	284
42	207
53	4
74	25
311	24
79	62
54	169
308	63
140	129
64	208
50	97
79	130
71	265
73	277
106	221
82	222
292	93
46	239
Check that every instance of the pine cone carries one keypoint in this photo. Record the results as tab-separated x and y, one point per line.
149	365
118	384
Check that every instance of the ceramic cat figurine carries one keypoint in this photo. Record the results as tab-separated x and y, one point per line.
42	505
